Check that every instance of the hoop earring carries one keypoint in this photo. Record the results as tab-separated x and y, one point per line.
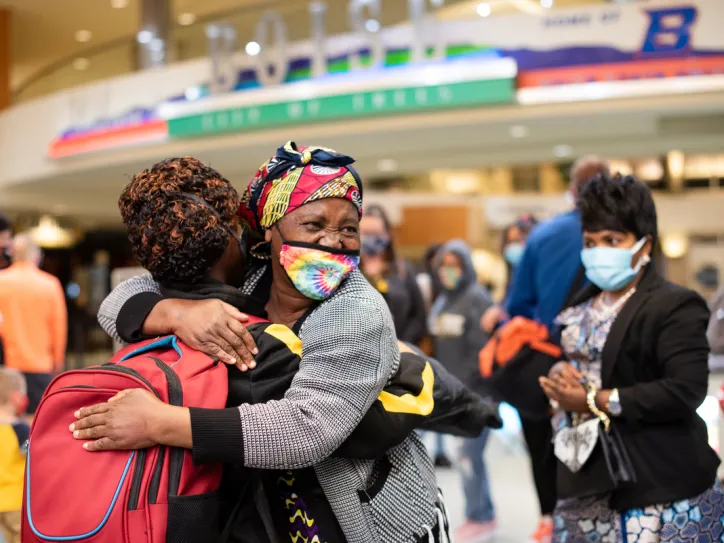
261	250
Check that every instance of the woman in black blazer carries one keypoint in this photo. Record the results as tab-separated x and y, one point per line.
636	354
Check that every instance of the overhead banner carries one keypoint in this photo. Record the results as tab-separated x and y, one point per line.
594	43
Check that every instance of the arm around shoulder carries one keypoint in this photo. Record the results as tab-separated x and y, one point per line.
350	352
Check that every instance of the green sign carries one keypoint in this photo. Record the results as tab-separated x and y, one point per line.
344	106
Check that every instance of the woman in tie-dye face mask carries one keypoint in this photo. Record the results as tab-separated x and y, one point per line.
307	202
304	207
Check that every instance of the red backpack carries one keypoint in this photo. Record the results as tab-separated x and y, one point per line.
154	495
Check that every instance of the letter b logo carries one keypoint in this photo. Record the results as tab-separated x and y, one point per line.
669	30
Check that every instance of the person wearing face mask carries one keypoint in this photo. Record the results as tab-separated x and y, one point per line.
548	273
455	325
635	374
513	245
305	202
392	276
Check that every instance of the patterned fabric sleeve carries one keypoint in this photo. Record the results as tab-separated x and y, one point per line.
111	306
350	352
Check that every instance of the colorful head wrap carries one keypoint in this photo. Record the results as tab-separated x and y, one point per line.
296	176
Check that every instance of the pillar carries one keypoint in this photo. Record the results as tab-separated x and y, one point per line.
5	56
153	33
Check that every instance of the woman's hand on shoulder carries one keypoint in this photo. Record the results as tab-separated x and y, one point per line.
213	327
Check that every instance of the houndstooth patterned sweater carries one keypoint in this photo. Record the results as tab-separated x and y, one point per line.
349	353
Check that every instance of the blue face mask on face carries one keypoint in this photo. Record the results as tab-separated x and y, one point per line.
513	253
609	268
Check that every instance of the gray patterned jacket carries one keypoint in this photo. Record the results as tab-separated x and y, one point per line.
349	353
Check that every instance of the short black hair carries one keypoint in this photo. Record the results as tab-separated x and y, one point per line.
178	215
619	203
5	223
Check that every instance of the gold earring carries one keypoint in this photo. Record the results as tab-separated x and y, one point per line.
261	250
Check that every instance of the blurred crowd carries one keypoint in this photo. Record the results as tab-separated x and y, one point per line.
605	361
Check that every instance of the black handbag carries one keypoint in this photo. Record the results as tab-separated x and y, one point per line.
608	468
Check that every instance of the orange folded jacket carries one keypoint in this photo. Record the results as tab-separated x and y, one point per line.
510	339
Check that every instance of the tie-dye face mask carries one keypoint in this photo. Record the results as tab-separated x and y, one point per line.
316	270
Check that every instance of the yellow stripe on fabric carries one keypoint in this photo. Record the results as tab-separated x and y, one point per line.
277	201
422	404
286	336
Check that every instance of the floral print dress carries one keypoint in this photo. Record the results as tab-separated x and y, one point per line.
590	520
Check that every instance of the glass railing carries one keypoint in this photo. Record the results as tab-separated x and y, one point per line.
190	42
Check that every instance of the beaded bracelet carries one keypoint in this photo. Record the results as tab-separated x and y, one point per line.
591	401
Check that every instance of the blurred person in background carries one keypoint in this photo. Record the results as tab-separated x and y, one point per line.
429	283
549	266
392	276
428	280
512	247
35	319
6	242
14	432
455	324
637	351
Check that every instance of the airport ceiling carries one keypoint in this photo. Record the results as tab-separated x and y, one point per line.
53	32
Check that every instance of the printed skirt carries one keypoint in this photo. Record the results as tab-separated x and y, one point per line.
590	520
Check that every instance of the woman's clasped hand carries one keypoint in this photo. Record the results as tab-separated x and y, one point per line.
564	386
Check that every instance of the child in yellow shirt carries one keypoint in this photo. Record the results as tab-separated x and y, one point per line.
14	432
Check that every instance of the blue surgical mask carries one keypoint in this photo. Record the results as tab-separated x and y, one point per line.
609	268
513	253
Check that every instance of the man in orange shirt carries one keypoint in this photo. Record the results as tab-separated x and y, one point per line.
34	324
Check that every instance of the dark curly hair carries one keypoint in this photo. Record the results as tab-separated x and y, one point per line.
174	235
621	204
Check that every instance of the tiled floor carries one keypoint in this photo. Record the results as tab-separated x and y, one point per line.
512	490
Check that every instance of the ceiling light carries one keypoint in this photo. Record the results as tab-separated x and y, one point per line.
193	93
562	150
144	36
186	19
119	4
83	36
519	131
81	63
546	3
387	165
483	9
252	48
674	245
49	235
372	25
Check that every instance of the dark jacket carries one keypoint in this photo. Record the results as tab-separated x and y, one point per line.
406	304
656	355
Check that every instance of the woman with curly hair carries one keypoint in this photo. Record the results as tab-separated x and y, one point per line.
307	203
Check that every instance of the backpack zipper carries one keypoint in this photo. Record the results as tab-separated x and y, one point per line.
140	466
156	478
176	457
137	480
